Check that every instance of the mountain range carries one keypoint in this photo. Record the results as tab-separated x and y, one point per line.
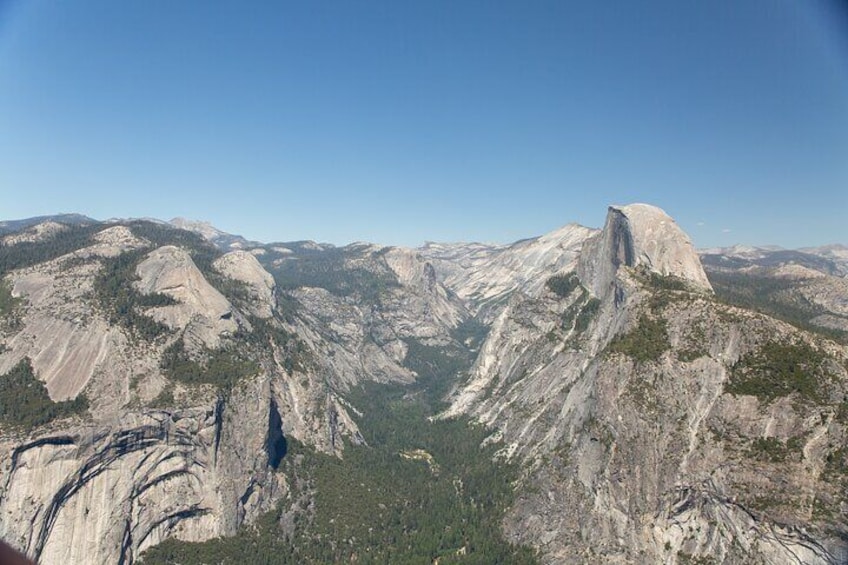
170	393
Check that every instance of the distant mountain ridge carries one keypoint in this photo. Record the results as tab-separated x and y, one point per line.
9	226
835	252
172	393
830	259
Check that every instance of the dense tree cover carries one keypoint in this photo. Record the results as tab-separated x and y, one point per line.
220	367
587	313
270	335
24	401
431	363
331	270
29	253
122	303
778	369
376	506
647	341
379	504
8	303
772	296
563	285
471	333
661	282
203	253
775	450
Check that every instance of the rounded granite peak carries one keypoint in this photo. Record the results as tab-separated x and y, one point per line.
640	235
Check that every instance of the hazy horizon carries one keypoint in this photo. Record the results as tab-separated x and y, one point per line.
422	243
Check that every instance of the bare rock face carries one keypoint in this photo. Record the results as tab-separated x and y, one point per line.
139	465
245	268
614	395
103	492
356	345
616	400
485	276
810	282
421	307
202	310
62	332
639	235
113	241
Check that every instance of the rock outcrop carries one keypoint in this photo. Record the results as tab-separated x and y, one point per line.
103	492
60	330
153	457
243	267
485	276
616	398
639	235
201	309
616	390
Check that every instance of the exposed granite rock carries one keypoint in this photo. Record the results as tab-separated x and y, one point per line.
623	460
649	461
201	310
38	232
639	235
484	277
103	492
61	331
245	268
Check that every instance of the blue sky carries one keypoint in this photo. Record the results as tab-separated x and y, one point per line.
399	122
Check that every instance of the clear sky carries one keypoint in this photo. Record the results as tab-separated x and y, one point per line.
404	121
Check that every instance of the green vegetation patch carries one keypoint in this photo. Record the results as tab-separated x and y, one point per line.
836	466
577	317
29	253
377	505
772	296
694	345
587	314
432	364
663	282
8	303
778	369
9	308
114	290
563	285
663	289
471	333
645	342
297	356
329	268
221	367
24	401
684	558
774	450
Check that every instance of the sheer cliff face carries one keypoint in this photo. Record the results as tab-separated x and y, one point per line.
98	492
639	235
629	398
157	455
652	422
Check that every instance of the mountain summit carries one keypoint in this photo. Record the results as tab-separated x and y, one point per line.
639	235
183	395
